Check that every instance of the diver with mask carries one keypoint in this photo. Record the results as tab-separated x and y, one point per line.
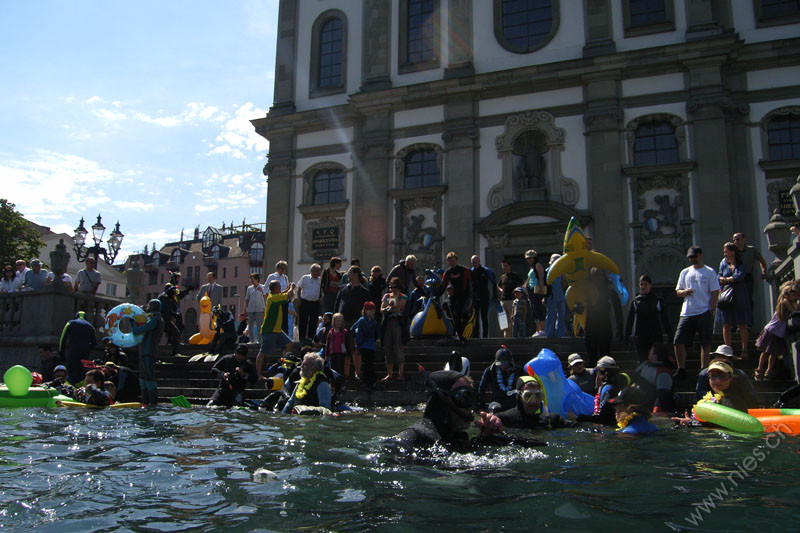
531	409
447	416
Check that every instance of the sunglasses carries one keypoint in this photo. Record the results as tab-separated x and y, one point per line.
719	377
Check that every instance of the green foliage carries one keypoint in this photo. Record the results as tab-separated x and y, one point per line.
18	238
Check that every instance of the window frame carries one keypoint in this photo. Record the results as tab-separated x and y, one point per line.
499	32
405	66
761	22
789	117
660	27
313	192
655	150
315	91
432	156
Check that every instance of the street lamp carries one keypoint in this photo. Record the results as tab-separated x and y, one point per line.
98	229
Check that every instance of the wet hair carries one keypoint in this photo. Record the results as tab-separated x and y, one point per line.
97	376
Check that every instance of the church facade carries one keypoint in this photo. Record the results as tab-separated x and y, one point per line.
424	126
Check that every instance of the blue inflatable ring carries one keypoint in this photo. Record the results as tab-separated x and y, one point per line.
114	318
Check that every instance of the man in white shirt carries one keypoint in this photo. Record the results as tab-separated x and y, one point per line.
22	269
255	305
698	285
280	275
308	292
88	279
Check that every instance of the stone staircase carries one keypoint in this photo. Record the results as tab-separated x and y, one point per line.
176	376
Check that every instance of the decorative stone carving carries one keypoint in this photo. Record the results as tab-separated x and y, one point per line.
336	238
774	188
419	229
527	175
498	241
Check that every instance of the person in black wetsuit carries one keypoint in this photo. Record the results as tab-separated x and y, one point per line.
225	332
498	381
171	313
235	372
529	413
447	415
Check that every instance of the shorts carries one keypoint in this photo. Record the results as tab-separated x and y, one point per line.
702	324
269	340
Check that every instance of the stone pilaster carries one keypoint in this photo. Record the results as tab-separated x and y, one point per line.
460	138
706	108
372	164
285	59
281	202
460	47
598	28
607	187
376	46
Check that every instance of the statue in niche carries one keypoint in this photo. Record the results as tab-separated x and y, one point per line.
420	239
530	164
665	219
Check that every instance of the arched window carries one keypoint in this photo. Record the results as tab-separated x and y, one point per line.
215	252
328	54
655	144
522	26
421	169
176	256
156	257
783	137
257	253
328	187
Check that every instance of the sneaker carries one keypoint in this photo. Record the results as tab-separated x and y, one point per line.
679	374
539	334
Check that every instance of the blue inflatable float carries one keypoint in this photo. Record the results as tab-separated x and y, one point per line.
563	395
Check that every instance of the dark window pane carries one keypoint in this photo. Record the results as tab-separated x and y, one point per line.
783	137
420	31
526	22
655	144
328	187
421	169
330	54
779	8
646	12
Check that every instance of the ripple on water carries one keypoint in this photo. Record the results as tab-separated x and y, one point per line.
173	469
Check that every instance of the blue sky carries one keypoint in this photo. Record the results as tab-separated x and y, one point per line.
136	110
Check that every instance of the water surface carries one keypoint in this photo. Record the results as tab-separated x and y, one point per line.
173	469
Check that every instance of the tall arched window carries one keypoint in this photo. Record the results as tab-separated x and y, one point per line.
522	26
783	136
421	169
328	54
257	253
328	187
655	144
419	35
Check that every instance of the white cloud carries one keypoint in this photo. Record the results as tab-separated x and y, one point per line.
94	100
51	184
239	136
140	206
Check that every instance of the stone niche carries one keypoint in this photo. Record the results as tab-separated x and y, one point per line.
530	149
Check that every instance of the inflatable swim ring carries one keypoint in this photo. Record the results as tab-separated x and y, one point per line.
782	420
563	395
114	319
727	417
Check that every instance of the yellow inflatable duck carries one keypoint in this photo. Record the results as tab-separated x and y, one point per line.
575	265
205	323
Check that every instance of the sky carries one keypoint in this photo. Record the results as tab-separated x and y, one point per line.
138	111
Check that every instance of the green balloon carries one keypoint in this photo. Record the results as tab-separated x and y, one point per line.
18	379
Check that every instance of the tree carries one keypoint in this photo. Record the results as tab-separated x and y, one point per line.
18	238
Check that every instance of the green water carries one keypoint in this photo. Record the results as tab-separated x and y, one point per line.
172	469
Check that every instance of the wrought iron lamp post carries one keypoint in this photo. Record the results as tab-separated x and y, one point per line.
82	252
